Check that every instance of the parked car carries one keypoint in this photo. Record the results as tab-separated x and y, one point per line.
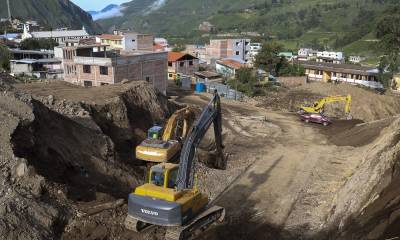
315	118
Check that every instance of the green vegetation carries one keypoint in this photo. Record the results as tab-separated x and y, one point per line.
388	32
37	44
267	59
346	25
50	13
244	81
4	58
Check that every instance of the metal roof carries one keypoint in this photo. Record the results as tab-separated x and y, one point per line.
58	34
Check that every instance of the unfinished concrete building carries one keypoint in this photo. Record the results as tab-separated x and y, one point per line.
93	65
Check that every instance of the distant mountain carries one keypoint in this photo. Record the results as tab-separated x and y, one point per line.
332	23
110	11
50	13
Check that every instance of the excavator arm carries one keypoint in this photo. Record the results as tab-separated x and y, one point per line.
210	114
318	106
186	114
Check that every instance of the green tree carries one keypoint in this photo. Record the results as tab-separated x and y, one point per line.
268	59
179	48
36	44
244	81
388	32
4	58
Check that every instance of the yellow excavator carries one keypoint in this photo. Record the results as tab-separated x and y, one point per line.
164	146
170	197
318	106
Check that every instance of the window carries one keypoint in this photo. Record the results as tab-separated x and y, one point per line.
147	79
172	178
103	84
181	64
87	83
86	69
170	75
133	40
237	43
157	178
169	64
237	53
103	70
190	63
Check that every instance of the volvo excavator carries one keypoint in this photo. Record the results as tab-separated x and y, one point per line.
318	106
170	197
165	146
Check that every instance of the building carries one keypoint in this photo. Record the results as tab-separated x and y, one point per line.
206	27
181	63
18	54
347	73
356	59
255	48
206	76
238	49
127	41
287	55
306	54
93	65
198	51
161	41
330	57
60	36
40	68
228	67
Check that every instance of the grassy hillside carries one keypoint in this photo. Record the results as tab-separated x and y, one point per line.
334	24
51	13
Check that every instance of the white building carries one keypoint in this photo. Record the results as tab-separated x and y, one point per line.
306	54
161	41
255	48
330	57
60	36
356	59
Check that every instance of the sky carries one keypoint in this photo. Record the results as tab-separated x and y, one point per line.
96	5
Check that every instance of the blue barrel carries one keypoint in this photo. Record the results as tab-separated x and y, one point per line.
200	87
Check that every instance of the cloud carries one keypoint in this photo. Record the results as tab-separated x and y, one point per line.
114	12
156	5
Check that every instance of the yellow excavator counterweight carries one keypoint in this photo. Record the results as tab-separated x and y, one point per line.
157	148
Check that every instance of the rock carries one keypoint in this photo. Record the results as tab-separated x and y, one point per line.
378	231
50	99
109	116
21	169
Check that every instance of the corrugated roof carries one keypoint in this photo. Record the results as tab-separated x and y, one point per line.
111	37
207	74
345	68
231	63
57	34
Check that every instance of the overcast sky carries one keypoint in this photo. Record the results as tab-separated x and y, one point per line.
96	4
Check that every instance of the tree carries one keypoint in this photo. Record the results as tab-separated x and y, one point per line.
36	44
4	58
244	81
179	48
388	32
268	59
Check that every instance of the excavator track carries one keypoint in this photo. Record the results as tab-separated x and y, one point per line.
135	225
197	225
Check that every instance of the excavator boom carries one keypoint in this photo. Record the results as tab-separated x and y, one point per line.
318	106
210	114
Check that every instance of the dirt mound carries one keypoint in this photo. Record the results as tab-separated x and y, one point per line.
66	157
366	105
367	206
356	134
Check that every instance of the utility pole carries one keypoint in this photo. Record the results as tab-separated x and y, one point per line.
9	10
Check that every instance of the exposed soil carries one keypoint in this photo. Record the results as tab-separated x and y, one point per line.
67	162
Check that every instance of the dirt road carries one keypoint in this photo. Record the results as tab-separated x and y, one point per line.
287	190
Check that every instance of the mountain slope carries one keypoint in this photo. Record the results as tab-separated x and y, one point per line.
336	23
50	13
110	11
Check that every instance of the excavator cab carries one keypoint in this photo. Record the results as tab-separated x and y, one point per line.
163	175
155	132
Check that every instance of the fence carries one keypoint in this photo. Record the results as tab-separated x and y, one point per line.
223	90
